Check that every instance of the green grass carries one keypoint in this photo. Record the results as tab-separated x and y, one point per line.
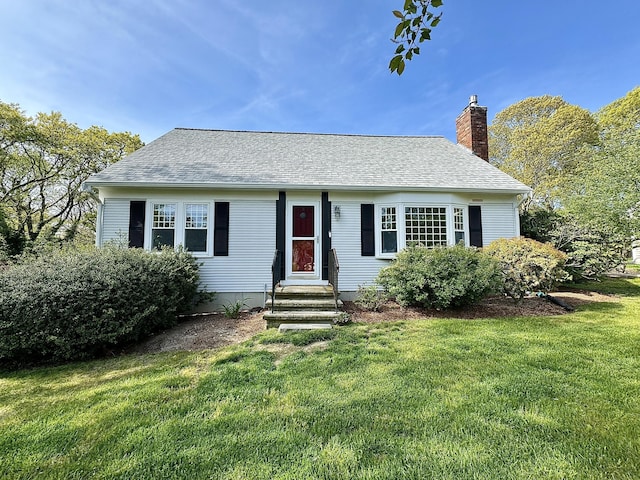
555	397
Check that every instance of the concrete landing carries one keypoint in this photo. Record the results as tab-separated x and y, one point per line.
288	327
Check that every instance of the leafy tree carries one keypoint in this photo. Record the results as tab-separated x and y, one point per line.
417	19
11	242
43	162
606	190
541	141
619	121
537	223
592	249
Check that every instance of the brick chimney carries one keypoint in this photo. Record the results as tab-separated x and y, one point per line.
471	128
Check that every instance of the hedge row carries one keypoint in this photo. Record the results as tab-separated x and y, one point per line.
77	304
449	277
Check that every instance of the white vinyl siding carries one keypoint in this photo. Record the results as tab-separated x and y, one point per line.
252	227
115	221
499	221
355	269
252	243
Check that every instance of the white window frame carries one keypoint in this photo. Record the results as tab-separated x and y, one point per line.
465	223
180	223
401	224
207	228
447	222
380	228
172	227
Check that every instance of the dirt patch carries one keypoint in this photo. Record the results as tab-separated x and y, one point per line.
215	330
202	332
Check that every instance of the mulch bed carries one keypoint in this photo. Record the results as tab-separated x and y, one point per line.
492	307
213	330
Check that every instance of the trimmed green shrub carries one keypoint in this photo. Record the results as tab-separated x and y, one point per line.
528	265
77	304
370	297
441	277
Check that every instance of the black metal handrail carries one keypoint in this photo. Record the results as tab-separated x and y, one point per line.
334	269
276	275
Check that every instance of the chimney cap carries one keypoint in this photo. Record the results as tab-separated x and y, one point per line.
473	100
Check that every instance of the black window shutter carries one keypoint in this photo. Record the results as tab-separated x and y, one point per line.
475	225
326	239
281	227
137	210
221	230
367	230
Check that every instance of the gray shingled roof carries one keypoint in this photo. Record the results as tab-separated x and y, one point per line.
231	159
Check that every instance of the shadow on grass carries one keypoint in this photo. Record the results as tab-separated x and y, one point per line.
626	287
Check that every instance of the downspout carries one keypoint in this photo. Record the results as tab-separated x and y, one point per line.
524	197
99	221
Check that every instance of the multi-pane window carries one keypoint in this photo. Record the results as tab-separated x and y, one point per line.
458	224
389	230
426	226
164	225
195	227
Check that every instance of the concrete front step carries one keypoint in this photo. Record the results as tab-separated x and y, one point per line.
323	303
302	291
293	327
303	305
275	319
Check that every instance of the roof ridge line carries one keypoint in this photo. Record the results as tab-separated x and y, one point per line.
307	133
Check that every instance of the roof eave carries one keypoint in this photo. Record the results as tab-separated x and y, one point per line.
276	186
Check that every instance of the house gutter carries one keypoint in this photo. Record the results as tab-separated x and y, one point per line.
351	188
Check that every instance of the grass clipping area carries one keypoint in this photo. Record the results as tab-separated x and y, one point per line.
536	397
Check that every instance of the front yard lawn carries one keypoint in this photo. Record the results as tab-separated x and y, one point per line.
539	397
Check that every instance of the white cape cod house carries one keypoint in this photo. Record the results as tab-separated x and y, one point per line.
234	198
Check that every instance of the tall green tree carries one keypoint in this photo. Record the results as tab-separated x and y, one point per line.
542	141
606	189
43	162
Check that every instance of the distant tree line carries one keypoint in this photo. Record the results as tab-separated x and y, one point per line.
584	170
43	162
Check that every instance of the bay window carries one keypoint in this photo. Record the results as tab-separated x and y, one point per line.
426	226
389	230
403	224
458	225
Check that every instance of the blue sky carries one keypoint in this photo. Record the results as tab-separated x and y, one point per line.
147	66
